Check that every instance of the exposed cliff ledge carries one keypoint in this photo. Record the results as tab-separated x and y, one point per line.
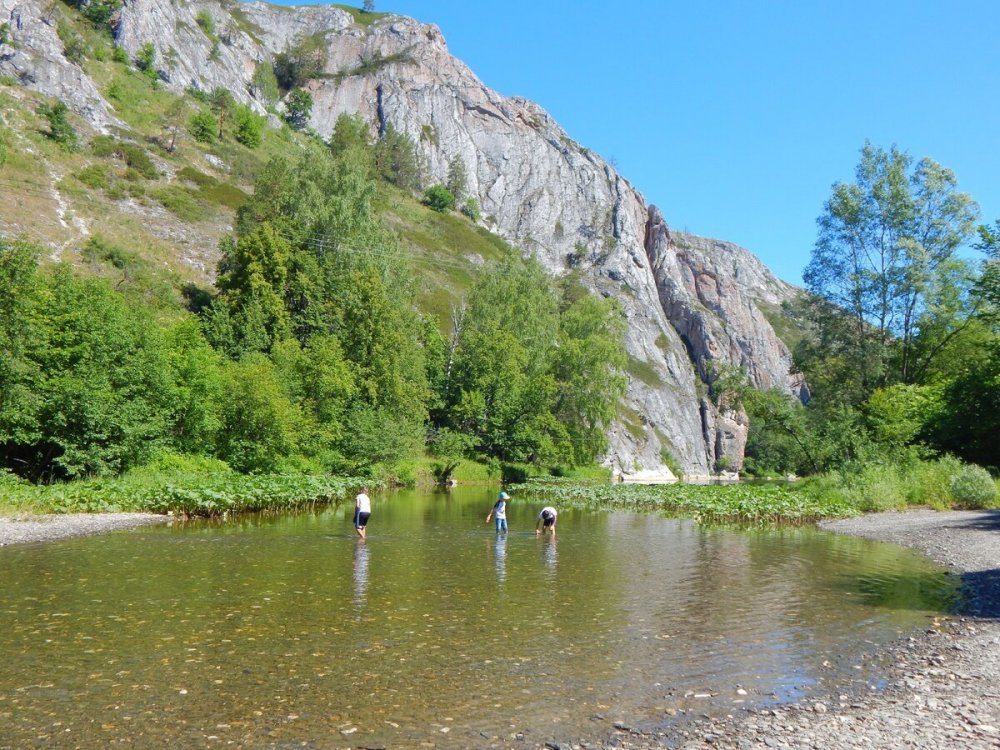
691	302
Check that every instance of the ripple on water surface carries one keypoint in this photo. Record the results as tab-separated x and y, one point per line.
271	630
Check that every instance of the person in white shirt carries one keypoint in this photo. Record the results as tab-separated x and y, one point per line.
362	511
547	520
499	512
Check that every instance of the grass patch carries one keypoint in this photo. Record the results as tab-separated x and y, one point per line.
446	250
786	327
644	372
213	190
632	421
362	18
181	203
756	505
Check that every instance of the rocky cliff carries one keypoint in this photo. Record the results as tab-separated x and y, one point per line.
692	303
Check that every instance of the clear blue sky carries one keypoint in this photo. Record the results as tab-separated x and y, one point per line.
736	117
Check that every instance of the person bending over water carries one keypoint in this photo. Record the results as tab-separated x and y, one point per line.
547	520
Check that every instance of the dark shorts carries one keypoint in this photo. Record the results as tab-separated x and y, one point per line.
548	519
361	519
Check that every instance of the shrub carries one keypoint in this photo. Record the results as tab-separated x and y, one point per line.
120	55
95	176
249	126
60	129
181	203
929	482
206	22
203	126
265	84
146	60
135	156
973	487
471	209
74	48
439	198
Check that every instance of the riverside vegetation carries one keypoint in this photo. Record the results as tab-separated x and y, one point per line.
349	334
354	329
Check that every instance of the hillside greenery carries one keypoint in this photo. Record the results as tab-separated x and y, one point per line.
197	293
336	340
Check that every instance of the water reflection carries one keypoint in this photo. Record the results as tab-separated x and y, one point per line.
549	555
360	574
214	635
500	558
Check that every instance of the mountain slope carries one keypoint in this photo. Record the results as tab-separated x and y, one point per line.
693	304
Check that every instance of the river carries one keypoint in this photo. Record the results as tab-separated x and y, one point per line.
286	630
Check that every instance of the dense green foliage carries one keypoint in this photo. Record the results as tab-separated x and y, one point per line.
529	373
902	352
310	359
192	488
439	198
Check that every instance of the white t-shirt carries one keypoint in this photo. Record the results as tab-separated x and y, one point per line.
547	510
500	510
363	503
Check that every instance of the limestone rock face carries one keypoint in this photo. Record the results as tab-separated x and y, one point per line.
693	304
33	55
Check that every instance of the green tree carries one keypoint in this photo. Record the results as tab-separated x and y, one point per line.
500	388
248	126
19	400
60	129
397	159
253	275
588	367
298	109
439	198
197	389
98	381
261	425
885	242
303	61
264	84
457	180
222	104
202	126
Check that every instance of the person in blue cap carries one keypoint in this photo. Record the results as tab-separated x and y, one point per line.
499	513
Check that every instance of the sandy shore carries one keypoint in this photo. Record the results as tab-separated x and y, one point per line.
44	528
943	683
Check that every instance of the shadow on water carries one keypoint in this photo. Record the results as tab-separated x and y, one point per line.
982	593
981	588
936	591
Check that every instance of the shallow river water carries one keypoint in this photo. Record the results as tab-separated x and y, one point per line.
287	631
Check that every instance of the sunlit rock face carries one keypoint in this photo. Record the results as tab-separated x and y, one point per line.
693	304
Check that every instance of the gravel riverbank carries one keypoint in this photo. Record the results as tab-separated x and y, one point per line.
943	683
44	528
